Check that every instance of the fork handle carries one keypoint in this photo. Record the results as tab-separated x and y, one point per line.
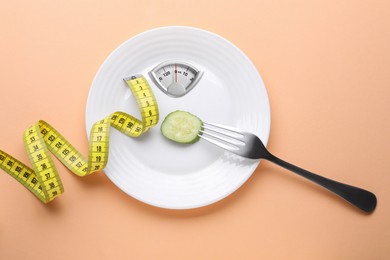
358	197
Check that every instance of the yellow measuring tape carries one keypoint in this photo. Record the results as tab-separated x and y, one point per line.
43	179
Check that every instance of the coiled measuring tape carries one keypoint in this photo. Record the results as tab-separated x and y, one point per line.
42	178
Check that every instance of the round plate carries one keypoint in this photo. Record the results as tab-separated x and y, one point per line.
151	168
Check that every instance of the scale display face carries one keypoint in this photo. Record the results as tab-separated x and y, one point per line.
175	77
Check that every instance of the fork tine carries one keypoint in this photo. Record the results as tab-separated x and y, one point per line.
230	148
224	130
221	137
228	138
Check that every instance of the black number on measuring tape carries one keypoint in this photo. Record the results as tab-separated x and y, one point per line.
44	166
34	181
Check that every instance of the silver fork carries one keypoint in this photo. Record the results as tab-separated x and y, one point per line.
250	146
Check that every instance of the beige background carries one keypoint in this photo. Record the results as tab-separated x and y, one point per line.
326	68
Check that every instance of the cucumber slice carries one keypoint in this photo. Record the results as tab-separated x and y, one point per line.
182	127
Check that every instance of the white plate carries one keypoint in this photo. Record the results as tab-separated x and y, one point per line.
155	170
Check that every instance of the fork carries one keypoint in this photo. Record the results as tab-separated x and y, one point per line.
250	146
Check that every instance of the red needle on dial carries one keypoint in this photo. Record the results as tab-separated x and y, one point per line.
176	72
